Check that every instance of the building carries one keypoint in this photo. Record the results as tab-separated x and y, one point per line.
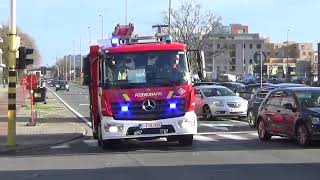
235	52
298	56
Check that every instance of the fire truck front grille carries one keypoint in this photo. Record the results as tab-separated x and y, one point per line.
162	110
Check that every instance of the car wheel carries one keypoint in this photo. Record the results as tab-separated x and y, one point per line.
262	131
251	118
57	89
207	115
186	140
102	143
302	135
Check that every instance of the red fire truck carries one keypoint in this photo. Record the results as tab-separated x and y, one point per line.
140	88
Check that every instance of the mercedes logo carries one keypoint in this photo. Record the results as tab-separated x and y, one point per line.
148	105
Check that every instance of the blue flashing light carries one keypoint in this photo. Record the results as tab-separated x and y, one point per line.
124	108
168	39
114	42
173	105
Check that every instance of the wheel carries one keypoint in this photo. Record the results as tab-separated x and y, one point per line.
102	143
207	115
57	89
251	118
302	135
186	140
67	89
262	132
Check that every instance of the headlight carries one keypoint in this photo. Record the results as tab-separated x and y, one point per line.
57	86
217	103
315	120
67	86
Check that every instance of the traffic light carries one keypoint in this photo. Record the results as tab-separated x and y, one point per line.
22	61
43	70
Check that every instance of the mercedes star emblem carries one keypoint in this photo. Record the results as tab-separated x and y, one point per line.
148	105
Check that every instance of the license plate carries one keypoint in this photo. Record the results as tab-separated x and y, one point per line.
150	125
234	110
36	95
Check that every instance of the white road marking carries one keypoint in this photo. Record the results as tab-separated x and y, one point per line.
63	146
254	134
231	132
217	125
84	104
91	142
241	122
71	109
203	138
232	136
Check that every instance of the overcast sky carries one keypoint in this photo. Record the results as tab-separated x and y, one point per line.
54	24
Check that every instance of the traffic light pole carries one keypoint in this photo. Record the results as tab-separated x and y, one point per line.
11	138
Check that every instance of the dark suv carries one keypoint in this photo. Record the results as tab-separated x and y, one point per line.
248	91
291	112
258	97
62	85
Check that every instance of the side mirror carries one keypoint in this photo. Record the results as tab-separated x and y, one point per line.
288	106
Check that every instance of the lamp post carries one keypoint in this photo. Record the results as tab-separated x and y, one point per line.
74	61
89	28
100	15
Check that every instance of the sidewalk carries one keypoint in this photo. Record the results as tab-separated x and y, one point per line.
55	123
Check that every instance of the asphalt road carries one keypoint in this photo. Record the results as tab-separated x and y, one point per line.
222	150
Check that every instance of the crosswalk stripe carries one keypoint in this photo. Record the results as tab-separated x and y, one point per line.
63	146
203	138
254	134
232	136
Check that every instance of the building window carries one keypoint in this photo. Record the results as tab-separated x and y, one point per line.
210	54
232	53
233	61
276	53
302	47
233	68
233	46
251	46
244	61
218	46
258	46
250	61
304	53
268	53
310	53
244	46
277	47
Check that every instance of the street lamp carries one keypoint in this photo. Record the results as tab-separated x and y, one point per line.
74	61
89	28
288	75
100	15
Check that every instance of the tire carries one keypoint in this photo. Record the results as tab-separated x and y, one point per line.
251	119
102	143
57	89
207	115
186	140
302	135
262	131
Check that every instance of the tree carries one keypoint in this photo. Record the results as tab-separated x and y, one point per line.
25	40
191	25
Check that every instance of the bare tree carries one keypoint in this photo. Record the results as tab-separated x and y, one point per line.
191	25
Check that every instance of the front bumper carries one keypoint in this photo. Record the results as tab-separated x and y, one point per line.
131	129
222	111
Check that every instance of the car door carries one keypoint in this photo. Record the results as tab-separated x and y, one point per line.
272	112
289	112
199	102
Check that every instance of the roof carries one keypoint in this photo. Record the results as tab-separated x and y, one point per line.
285	85
140	47
210	86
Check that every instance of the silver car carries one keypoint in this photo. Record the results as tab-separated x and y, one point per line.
218	101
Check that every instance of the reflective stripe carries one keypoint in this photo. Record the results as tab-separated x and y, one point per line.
170	95
126	97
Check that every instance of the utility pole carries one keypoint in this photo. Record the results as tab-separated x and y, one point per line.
80	62
243	62
318	66
288	68
261	66
11	138
169	16
100	15
126	12
74	61
70	67
89	28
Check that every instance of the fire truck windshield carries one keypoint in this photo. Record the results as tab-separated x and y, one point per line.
145	69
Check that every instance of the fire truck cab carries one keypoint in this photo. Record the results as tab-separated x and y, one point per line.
140	88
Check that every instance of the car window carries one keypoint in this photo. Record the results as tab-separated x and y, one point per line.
287	99
275	99
210	92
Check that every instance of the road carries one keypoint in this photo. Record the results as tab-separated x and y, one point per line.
222	150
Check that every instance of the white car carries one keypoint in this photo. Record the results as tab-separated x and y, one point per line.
218	101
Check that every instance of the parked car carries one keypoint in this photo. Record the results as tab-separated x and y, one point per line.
62	85
234	86
258	97
291	112
218	101
53	83
205	83
248	91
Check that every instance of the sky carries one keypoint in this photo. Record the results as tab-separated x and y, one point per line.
56	24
